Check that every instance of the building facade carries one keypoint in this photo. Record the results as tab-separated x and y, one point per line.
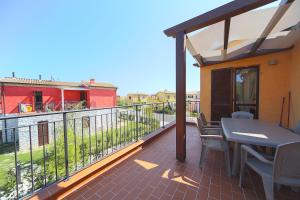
137	98
166	95
23	97
193	96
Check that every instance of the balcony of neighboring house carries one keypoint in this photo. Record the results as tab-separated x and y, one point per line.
74	98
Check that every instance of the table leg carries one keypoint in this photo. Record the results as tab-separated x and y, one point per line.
236	158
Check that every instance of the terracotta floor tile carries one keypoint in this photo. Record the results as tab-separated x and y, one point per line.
190	194
215	191
166	197
178	195
154	173
159	190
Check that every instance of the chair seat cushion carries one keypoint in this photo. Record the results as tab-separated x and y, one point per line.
214	132
261	168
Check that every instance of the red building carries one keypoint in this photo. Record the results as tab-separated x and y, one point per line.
19	95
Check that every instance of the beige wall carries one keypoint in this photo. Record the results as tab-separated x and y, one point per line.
275	83
295	85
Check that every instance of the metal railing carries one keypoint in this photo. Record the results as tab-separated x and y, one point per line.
192	109
46	148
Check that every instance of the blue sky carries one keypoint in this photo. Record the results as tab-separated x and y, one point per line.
121	42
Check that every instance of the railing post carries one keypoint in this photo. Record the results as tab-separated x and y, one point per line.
198	108
136	123
66	144
163	114
5	132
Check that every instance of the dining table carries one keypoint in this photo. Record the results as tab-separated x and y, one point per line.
254	132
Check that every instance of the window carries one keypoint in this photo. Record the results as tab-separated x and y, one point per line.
43	133
83	98
38	100
246	90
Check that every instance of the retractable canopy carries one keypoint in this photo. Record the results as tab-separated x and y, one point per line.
251	33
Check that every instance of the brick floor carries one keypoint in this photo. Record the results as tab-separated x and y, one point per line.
155	174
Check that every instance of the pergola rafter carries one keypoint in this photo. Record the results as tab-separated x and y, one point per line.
221	13
226	36
283	7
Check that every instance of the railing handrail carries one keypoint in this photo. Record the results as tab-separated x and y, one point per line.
74	111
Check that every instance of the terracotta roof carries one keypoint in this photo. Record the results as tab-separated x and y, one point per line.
166	92
25	81
137	94
193	92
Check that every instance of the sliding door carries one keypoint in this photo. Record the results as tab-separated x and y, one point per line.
247	90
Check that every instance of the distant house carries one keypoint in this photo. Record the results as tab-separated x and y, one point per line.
165	95
193	96
137	97
20	95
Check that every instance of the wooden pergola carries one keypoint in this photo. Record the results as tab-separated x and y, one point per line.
223	13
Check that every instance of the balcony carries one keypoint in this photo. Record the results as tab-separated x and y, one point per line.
120	153
41	150
154	173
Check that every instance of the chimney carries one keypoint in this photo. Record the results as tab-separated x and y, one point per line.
40	77
13	74
92	81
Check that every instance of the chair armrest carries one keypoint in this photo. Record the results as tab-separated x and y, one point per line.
211	137
217	130
212	126
254	153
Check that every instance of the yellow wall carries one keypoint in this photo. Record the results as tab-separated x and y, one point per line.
295	85
274	84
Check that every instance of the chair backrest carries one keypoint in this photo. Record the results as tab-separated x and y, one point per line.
287	164
203	118
242	115
200	126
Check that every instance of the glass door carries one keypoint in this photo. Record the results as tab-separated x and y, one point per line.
247	90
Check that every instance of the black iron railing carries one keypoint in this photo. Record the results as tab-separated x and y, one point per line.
41	149
192	109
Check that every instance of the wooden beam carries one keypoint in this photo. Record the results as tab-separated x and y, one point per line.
192	50
226	33
221	13
199	59
180	96
247	55
283	7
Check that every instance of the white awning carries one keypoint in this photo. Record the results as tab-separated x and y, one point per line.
245	30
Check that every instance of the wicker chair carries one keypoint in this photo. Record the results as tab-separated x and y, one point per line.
212	139
209	123
285	169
